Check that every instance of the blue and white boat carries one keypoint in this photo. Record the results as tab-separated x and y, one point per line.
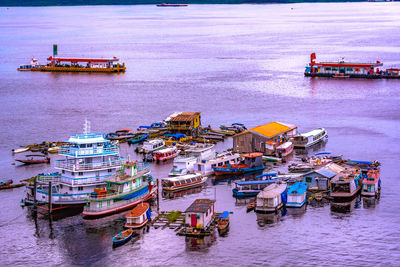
122	237
252	188
296	195
252	163
89	160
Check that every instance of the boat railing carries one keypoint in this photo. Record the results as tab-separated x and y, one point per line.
84	181
106	207
71	166
92	151
54	178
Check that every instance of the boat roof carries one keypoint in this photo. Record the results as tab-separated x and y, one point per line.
185	116
33	155
372	177
224	215
328	171
87	138
165	150
272	174
200	206
252	155
348	64
271	129
347	175
298	188
138	210
285	145
182	177
255	182
94	60
313	132
322	153
124	130
154	141
272	190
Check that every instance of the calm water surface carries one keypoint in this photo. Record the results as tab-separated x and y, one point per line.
239	63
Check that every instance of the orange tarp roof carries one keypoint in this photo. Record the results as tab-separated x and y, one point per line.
272	129
138	210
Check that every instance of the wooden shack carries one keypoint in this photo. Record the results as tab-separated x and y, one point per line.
320	179
264	138
199	214
184	122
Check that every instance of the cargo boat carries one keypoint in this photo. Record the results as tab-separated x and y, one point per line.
67	64
371	184
342	69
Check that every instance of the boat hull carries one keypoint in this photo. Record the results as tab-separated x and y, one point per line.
296	204
136	225
176	189
236	171
268	209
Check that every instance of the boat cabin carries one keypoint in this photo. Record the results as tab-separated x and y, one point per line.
184	122
371	183
284	149
296	197
310	138
347	183
272	198
320	179
253	159
153	145
251	188
199	214
182	182
138	216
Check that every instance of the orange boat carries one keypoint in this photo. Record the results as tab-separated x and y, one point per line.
138	216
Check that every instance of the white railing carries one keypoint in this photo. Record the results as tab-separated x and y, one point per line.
84	181
76	167
76	152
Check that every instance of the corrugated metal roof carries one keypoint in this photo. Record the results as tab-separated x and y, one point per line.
200	206
326	173
272	129
185	116
272	190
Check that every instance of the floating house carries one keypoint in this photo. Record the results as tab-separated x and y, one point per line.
320	179
296	196
264	138
199	215
185	122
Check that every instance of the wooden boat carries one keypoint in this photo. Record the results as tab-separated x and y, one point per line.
20	150
120	134
371	184
6	183
138	139
171	5
310	138
12	186
300	167
340	76
346	184
152	145
34	159
182	182
223	222
252	163
166	154
122	237
53	149
284	149
272	198
296	195
271	159
138	216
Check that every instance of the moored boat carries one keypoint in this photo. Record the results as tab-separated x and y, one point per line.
6	183
310	138
346	184
223	222
284	149
138	216
122	237
171	5
20	150
252	163
152	145
34	159
371	184
300	167
205	166
252	188
138	139
166	154
272	198
296	195
120	134
130	186
182	182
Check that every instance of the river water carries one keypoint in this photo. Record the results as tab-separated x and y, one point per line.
233	63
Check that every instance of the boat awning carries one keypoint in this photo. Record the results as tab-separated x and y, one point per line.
94	60
224	215
256	182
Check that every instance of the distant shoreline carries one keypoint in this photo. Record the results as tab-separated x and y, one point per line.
33	3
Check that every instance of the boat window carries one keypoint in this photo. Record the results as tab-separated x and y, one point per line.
61	186
63	171
89	145
80	188
341	188
72	174
328	68
80	173
82	145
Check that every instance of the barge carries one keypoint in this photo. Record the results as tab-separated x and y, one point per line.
342	69
67	64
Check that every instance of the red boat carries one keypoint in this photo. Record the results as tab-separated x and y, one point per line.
35	159
171	5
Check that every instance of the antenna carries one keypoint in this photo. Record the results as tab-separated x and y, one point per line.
86	127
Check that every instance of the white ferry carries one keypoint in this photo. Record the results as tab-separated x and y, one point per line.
89	160
182	182
284	149
152	145
310	138
166	154
185	164
206	167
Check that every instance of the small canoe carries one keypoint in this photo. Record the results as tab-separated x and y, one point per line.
20	150
251	206
34	159
138	139
271	159
122	237
53	149
223	222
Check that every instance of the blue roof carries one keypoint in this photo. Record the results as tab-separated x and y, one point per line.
255	182
325	172
224	215
178	135
298	188
360	162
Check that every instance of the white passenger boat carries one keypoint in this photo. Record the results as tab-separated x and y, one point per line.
166	154
182	182
310	138
284	149
152	145
272	198
206	167
185	164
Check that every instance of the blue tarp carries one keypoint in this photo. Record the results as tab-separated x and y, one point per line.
322	153
298	188
145	127
178	135
284	196
255	182
272	174
224	215
360	162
